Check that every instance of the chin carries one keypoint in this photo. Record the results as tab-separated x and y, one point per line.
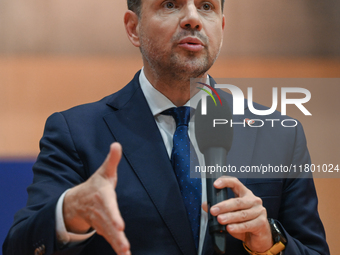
197	67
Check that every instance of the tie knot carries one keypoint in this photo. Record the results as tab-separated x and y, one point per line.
181	114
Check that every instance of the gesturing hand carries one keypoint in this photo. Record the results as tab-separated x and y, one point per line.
93	204
244	215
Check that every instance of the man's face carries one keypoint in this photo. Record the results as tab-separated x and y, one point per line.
180	37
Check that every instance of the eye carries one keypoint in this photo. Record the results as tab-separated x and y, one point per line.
206	7
169	5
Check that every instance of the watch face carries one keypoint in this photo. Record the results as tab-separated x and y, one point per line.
277	233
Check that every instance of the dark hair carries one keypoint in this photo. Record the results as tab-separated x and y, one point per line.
136	5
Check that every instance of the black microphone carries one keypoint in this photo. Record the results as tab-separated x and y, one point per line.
214	143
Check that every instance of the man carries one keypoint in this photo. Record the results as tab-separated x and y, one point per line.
83	202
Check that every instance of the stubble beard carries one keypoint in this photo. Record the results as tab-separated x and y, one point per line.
174	66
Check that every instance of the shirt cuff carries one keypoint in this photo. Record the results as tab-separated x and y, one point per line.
64	237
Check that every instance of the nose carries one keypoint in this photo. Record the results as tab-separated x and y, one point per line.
191	18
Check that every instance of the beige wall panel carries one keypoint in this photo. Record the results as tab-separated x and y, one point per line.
253	27
31	88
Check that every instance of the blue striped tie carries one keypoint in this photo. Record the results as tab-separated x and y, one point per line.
182	152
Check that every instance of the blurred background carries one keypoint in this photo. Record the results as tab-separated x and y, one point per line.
58	54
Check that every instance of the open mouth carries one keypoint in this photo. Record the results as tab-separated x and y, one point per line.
191	44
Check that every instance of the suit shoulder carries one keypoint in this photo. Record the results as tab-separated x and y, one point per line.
107	104
86	110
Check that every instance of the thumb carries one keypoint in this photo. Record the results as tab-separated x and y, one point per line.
109	167
205	206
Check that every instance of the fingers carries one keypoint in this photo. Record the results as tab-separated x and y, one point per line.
241	215
106	217
115	237
233	183
109	223
240	212
236	204
244	215
250	226
244	198
94	204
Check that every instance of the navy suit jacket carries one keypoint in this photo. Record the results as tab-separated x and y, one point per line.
76	142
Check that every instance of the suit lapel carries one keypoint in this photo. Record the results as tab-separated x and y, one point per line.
133	125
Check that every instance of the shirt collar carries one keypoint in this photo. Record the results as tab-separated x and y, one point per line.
157	101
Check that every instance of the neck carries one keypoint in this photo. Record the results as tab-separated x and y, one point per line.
176	88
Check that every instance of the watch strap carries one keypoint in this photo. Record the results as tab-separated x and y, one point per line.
274	250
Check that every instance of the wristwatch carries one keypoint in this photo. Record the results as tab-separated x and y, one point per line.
279	240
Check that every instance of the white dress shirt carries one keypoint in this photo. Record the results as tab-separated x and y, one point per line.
167	126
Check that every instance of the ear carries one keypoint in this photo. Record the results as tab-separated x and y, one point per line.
223	22
131	26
